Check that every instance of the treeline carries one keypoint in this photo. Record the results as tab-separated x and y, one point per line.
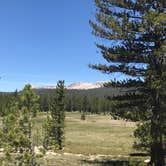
89	104
84	101
98	92
5	99
94	101
74	101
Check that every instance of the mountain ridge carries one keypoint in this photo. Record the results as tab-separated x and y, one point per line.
77	85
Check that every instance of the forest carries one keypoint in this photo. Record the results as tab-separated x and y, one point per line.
92	101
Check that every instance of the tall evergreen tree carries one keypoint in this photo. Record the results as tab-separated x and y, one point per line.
10	134
16	135
29	106
85	104
135	45
84	108
56	121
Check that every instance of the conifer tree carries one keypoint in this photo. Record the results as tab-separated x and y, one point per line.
29	106
85	104
84	107
57	109
135	45
46	127
16	135
10	134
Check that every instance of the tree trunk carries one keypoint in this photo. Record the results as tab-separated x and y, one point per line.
31	143
157	149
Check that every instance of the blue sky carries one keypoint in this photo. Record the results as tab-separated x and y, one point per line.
43	41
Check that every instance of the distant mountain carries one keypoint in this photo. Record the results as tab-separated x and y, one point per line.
82	89
77	85
86	85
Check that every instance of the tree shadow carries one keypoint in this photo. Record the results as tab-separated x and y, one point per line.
141	154
109	162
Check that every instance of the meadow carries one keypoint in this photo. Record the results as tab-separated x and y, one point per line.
98	140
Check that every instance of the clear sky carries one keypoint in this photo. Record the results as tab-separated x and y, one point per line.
42	41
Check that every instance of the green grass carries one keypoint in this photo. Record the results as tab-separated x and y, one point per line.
96	136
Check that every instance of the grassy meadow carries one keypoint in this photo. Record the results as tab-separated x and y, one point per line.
97	138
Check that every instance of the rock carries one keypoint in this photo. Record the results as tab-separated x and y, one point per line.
147	161
37	150
1	149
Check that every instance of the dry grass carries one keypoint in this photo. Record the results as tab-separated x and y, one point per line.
98	135
99	140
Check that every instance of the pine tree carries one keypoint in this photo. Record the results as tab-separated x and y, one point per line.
135	45
57	109
44	103
47	132
68	104
85	104
84	107
16	135
83	116
29	106
10	134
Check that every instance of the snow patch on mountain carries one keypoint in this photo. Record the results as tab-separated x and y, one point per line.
77	85
85	85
